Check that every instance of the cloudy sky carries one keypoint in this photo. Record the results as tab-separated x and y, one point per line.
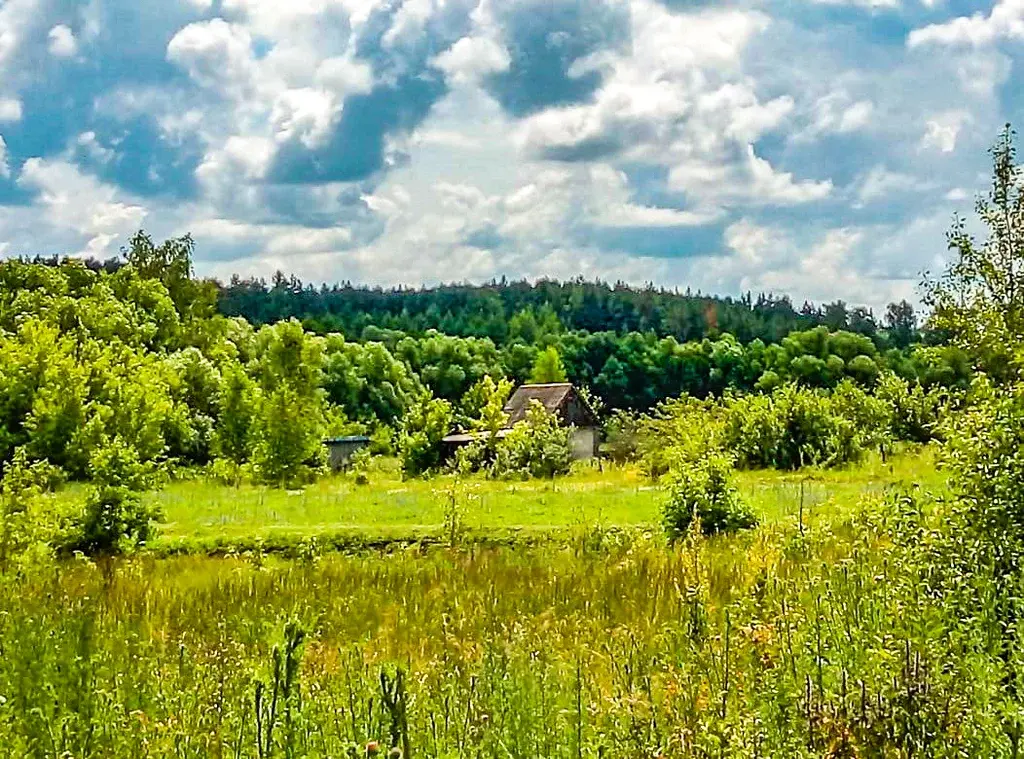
813	148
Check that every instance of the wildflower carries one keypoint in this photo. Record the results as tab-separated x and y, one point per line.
372	748
395	753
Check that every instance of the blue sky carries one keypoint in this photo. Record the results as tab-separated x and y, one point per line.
813	148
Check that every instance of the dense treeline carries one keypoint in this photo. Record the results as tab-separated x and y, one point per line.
137	357
527	312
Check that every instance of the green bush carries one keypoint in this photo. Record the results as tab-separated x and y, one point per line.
703	487
684	427
419	438
536	447
115	518
915	414
796	427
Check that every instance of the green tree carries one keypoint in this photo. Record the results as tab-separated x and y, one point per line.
288	427
237	405
979	300
901	323
171	263
548	367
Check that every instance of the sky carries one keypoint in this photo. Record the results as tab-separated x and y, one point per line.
816	148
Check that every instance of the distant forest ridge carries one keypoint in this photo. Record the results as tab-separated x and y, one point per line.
505	310
519	310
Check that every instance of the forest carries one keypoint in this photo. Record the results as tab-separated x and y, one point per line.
803	537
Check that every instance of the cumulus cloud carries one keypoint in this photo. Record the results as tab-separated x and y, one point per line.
96	214
10	109
472	58
62	42
1005	21
941	132
721	146
215	54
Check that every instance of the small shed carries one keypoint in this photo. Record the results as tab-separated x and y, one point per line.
558	398
565	402
341	449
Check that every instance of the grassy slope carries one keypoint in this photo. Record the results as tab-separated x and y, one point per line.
388	508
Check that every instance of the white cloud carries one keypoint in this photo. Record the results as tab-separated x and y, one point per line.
215	54
1005	21
471	58
750	179
838	113
62	42
823	266
306	114
942	131
69	200
871	4
99	153
5	169
10	109
880	183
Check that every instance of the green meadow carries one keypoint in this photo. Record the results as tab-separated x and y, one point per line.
201	515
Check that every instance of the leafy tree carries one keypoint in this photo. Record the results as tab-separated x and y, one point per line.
288	428
368	382
901	323
237	406
979	300
171	263
548	367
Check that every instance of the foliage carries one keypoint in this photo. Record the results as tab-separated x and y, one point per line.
538	446
548	367
30	524
621	436
978	301
702	488
115	518
420	435
795	427
288	429
367	381
914	413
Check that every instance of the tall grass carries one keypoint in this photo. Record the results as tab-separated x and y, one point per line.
776	643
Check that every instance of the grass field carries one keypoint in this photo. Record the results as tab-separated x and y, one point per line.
778	641
204	515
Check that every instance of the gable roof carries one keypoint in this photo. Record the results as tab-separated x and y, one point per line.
559	398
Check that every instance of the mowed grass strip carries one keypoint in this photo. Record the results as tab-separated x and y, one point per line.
390	509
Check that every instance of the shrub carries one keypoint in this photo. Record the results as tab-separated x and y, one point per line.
30	523
703	486
115	518
915	414
795	427
622	437
419	439
683	426
536	447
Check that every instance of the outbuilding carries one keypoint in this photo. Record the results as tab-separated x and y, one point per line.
340	450
558	398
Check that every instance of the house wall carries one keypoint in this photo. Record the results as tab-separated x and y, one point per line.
584	443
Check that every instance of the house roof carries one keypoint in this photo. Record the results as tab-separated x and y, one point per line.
556	398
347	439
